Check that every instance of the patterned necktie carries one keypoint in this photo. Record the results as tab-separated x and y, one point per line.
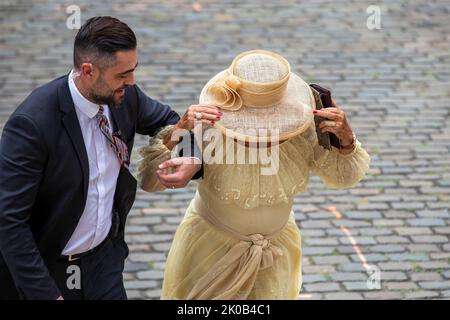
119	147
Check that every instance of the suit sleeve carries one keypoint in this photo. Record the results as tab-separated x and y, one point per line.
22	162
153	115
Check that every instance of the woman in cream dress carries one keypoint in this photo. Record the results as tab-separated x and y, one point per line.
238	238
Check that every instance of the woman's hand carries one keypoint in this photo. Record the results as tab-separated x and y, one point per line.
177	172
205	113
336	124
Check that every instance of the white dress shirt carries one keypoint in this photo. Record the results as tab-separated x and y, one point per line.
104	167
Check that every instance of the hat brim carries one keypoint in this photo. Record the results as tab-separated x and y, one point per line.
289	117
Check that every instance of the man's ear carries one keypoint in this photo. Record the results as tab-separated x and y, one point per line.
87	70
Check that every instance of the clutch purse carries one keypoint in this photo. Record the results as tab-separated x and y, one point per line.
322	98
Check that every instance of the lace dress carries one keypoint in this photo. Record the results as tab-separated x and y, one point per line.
238	238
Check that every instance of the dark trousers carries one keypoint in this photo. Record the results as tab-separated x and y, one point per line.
100	272
97	276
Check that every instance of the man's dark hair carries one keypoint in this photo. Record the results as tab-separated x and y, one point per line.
99	39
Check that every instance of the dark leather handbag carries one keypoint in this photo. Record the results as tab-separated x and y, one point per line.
322	97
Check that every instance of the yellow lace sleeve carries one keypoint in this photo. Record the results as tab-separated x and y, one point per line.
152	155
339	170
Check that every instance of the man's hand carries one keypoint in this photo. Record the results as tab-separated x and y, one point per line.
177	172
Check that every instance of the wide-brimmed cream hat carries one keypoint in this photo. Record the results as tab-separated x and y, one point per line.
259	95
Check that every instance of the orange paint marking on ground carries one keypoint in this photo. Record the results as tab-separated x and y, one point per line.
337	214
352	240
355	247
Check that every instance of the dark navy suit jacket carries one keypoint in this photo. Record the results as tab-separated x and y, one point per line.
44	175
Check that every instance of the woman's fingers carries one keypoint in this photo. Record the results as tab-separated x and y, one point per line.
334	114
325	124
168	178
193	122
329	129
206	109
171	163
207	116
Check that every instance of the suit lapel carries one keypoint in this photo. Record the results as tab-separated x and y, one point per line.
72	125
118	121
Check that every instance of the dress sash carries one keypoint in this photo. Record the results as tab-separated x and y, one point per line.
234	275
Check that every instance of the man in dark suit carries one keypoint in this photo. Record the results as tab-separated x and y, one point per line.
65	186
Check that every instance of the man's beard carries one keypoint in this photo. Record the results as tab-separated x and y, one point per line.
105	98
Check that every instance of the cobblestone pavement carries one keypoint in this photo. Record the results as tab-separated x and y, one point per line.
393	83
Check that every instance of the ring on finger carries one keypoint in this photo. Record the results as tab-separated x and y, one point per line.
198	115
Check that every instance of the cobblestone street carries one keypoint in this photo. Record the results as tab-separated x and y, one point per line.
393	84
